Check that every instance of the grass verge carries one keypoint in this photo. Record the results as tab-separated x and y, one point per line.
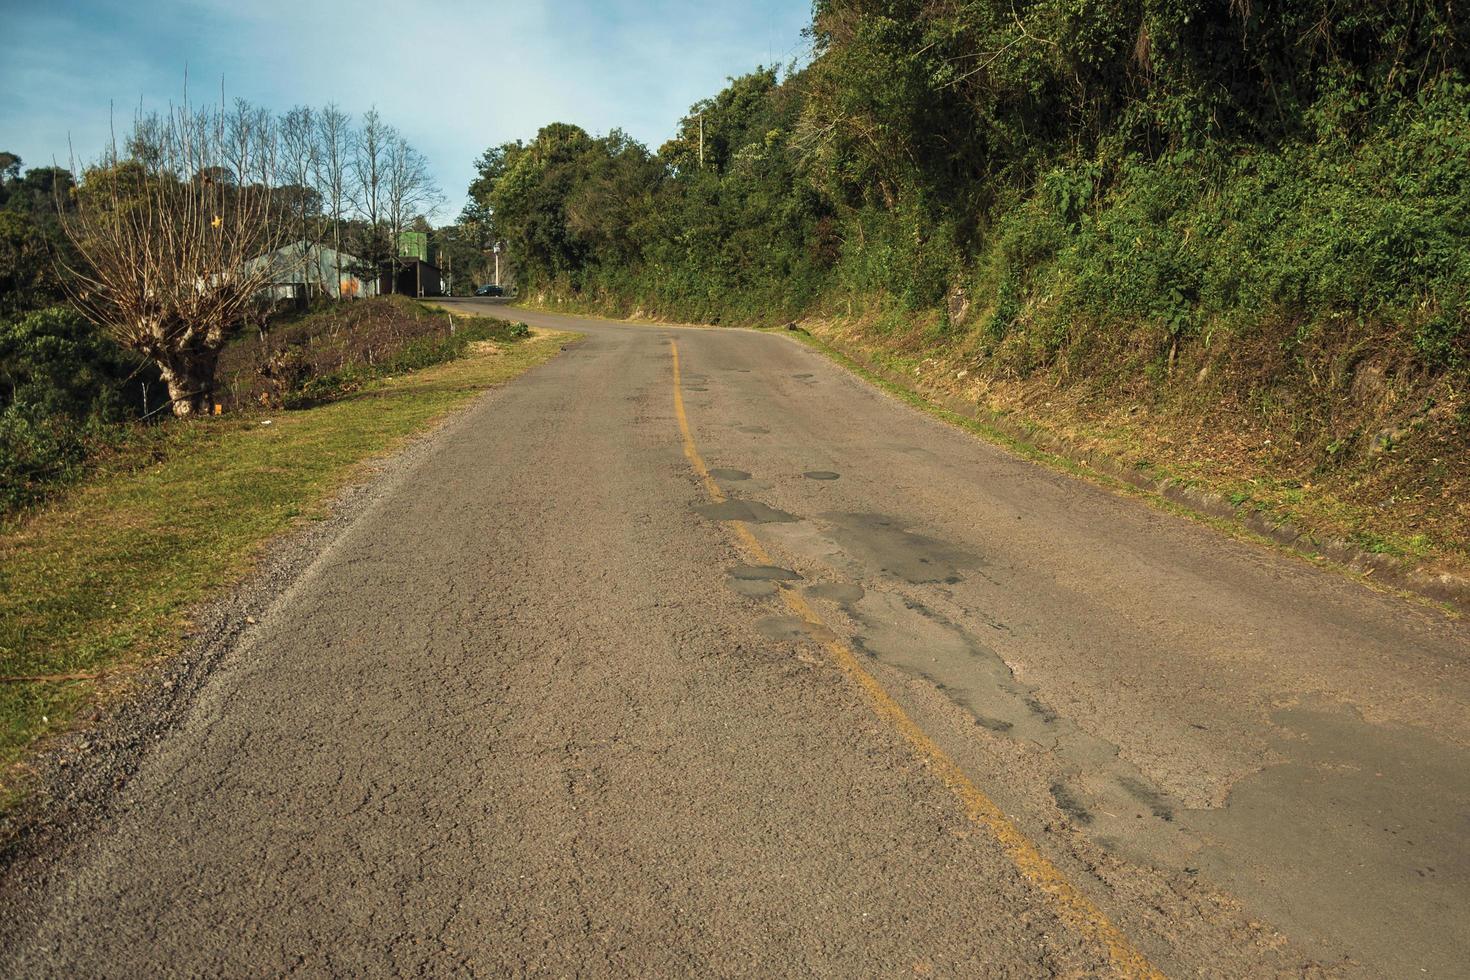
101	582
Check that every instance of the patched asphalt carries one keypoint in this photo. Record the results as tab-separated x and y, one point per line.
524	707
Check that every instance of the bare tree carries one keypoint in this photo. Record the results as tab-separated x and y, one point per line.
408	190
245	131
299	151
167	235
334	153
369	167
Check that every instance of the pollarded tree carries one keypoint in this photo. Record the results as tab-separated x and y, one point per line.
167	234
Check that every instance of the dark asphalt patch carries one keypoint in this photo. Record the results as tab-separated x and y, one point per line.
1034	705
783	629
915	637
759	581
820	475
839	592
759	430
765	573
1069	804
751	511
721	473
753	588
1148	796
885	545
1410	854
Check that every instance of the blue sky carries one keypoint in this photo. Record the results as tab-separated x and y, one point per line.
454	76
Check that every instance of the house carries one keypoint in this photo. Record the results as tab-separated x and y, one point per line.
305	270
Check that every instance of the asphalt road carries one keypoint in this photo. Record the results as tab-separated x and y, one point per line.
762	672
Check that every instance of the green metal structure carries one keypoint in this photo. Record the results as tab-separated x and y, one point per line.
413	244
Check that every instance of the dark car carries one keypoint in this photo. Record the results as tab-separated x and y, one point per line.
490	290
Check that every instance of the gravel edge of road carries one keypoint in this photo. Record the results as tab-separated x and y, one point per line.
79	775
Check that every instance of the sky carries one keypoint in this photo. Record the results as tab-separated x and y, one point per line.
453	76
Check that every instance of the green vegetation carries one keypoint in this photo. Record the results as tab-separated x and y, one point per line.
69	395
30	235
65	393
101	580
337	348
1189	166
1230	238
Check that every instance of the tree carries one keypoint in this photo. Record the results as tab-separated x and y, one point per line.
27	275
408	190
9	174
530	187
714	128
299	151
369	168
30	238
468	246
335	141
168	251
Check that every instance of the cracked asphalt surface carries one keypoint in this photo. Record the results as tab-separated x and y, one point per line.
533	710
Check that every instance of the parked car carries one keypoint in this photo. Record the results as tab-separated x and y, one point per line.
490	290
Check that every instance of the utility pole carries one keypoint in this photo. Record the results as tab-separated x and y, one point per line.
497	263
701	141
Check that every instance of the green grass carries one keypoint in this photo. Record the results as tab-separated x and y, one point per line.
102	581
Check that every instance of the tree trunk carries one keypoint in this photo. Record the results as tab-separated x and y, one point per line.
189	375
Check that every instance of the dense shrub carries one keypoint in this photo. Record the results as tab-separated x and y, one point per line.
38	451
58	363
65	390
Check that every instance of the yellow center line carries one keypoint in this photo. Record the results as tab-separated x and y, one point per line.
1073	907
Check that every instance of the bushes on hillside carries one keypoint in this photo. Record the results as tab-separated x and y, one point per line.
64	387
337	348
1182	167
57	362
1304	231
